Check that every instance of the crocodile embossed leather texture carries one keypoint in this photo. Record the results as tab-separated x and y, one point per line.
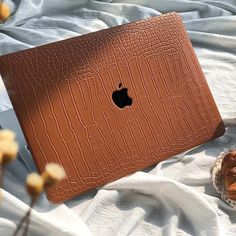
62	95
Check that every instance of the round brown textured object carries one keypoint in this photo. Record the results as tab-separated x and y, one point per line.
232	171
231	191
4	12
231	156
229	174
229	161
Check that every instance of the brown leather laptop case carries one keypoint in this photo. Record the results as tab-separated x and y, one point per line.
62	94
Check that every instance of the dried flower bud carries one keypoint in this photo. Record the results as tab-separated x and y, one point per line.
9	151
1	157
6	134
53	174
4	12
34	184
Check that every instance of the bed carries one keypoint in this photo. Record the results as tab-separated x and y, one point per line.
174	197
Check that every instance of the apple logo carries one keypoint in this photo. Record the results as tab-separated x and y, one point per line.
121	98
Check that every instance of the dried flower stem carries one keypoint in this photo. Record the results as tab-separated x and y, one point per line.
1	174
27	225
1	180
26	219
1	2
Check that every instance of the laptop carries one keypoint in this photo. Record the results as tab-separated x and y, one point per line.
110	103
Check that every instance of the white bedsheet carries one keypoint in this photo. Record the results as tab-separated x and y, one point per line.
176	197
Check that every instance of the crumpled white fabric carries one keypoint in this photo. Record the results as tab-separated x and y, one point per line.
176	197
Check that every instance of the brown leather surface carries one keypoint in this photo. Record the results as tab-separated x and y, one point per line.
62	93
